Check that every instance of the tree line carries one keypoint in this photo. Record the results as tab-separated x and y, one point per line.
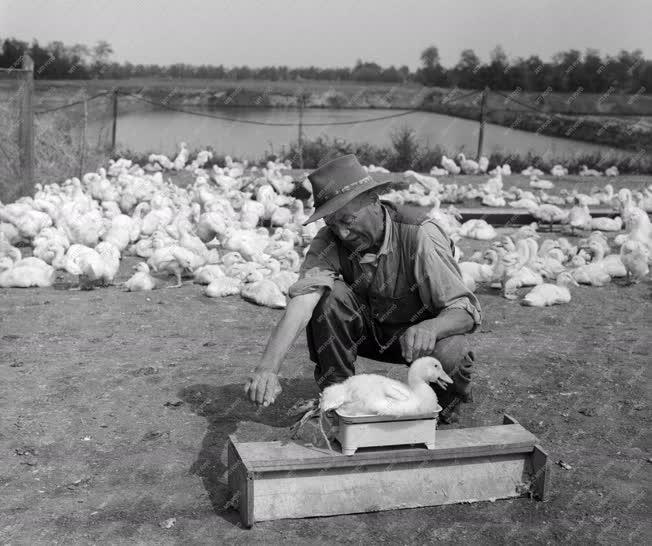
627	71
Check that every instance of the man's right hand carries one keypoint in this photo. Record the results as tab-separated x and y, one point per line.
263	387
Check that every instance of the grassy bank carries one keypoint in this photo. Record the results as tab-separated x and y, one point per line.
407	153
628	133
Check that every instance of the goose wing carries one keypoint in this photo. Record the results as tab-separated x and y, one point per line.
396	391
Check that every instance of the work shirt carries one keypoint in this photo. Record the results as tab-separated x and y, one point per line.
413	277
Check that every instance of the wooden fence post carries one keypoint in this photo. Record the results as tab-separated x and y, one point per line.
82	140
483	105
26	128
300	138
115	119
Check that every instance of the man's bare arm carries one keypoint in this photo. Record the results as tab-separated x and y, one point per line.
421	338
263	386
451	322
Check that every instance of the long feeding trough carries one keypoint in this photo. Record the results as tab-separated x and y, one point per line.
278	480
505	216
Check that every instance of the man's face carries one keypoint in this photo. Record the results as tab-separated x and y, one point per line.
359	224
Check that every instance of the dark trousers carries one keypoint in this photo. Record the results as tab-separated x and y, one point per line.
341	328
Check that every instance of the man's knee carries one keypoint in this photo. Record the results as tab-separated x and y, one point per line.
454	352
456	357
331	301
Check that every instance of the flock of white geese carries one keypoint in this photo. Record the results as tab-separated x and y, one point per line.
469	166
237	230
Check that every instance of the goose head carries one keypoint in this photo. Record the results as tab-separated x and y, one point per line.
290	261
58	260
297	207
637	218
141	210
529	231
231	258
596	250
556	254
254	276
429	370
436	202
141	267
625	197
547	246
195	212
508	243
6	263
580	259
490	257
160	239
566	279
271	266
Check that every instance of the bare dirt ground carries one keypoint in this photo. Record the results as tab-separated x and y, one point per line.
116	409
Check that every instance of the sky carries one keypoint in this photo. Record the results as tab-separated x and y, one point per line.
329	33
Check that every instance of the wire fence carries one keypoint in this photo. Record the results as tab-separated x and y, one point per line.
265	123
57	136
71	104
51	144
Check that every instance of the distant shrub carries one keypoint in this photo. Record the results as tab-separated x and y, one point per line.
407	153
406	148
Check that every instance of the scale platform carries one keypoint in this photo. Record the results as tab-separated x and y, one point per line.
355	432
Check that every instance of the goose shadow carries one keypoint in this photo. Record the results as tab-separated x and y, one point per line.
224	407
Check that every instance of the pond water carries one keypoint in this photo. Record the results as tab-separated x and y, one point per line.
162	130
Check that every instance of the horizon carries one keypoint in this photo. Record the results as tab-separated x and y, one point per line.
525	34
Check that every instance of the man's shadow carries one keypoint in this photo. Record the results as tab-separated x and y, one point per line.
226	406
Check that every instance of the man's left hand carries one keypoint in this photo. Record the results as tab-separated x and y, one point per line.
418	340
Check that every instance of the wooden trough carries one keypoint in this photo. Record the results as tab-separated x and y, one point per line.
508	216
278	480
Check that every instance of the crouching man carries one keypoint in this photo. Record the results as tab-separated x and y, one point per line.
379	281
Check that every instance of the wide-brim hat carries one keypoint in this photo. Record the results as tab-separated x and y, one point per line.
337	182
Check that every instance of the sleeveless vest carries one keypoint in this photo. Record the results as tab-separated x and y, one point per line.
391	292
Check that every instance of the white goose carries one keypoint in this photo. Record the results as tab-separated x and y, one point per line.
25	273
635	257
206	274
264	292
223	286
604	223
477	229
371	394
142	280
550	294
536	182
585	171
468	166
450	165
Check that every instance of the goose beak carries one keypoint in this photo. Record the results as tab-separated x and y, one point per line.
443	380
